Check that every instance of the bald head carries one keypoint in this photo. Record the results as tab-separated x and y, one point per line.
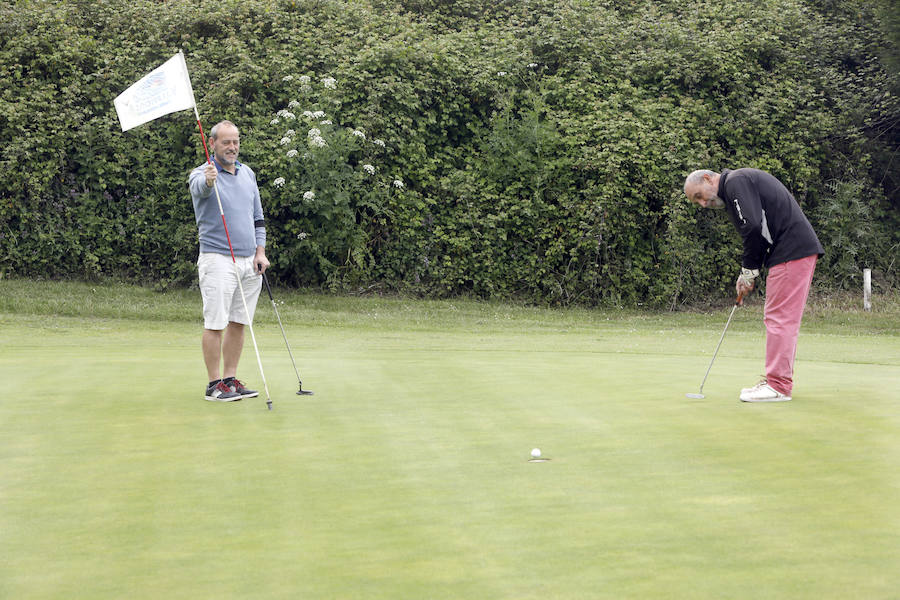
219	127
702	188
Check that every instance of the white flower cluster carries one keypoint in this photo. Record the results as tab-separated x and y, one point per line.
302	235
328	82
315	138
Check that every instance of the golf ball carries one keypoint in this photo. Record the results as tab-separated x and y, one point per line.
535	452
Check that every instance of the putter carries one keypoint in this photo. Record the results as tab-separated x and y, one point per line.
719	345
300	390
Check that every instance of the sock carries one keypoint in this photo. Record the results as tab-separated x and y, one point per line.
227	380
212	383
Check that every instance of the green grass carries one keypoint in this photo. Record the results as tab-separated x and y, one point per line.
406	475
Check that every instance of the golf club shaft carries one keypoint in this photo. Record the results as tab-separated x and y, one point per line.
283	334
719	345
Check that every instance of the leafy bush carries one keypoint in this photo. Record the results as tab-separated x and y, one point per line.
332	201
847	218
541	145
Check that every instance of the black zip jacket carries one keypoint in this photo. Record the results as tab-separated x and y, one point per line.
767	216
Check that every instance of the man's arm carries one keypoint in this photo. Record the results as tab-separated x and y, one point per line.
260	261
259	224
744	197
202	180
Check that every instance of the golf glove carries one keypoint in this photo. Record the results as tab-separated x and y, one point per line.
744	283
747	276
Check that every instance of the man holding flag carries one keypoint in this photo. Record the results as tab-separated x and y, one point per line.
168	89
224	314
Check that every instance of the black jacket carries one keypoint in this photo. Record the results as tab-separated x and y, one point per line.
767	216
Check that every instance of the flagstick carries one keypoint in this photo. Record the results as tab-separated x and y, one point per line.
234	262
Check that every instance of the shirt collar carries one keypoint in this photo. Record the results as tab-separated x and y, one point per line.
722	178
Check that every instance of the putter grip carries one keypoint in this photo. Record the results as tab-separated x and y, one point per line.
268	289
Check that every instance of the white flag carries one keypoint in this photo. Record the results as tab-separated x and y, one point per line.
165	90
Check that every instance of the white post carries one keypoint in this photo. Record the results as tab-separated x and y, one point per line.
867	289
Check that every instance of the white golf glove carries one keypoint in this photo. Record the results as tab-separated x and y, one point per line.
744	284
747	276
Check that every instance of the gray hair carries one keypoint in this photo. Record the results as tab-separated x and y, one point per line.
214	132
697	176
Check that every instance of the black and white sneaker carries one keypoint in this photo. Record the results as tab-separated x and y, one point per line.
219	392
236	385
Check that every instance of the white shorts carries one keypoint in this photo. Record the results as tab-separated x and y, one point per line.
220	291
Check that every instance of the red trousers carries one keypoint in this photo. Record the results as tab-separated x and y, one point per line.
787	288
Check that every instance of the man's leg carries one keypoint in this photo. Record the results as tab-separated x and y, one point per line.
212	352
217	284
217	281
231	348
251	284
787	288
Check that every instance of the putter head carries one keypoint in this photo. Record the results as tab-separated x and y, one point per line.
698	396
302	392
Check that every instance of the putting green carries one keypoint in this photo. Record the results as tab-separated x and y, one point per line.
406	475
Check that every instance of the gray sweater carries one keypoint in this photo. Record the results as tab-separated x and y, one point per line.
241	205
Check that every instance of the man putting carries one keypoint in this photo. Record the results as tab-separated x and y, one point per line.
223	308
777	235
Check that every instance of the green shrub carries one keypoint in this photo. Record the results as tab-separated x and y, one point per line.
541	145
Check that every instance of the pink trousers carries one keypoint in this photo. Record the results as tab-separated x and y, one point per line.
787	288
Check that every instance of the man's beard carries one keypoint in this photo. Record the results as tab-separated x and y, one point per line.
227	158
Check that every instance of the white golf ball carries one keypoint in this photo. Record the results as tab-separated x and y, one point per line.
535	452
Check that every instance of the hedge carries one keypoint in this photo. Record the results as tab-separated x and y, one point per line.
533	149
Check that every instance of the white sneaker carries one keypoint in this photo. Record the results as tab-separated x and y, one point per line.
763	393
761	383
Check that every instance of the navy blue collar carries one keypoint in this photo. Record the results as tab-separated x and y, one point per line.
220	168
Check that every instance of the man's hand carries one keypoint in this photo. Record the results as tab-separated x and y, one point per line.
260	261
211	173
745	283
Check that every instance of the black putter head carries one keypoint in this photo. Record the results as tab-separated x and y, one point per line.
302	392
